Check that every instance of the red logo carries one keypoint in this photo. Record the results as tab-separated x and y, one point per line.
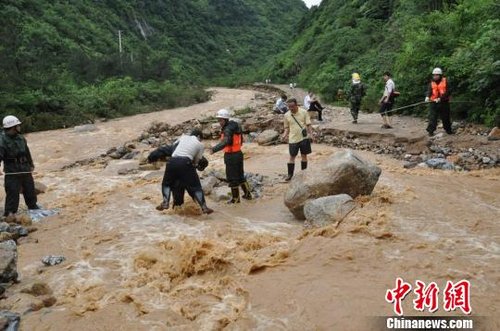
397	295
455	295
427	296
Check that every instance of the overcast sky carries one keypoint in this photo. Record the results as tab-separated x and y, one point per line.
310	3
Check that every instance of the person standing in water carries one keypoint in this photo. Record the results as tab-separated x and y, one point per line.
180	171
18	167
298	133
231	142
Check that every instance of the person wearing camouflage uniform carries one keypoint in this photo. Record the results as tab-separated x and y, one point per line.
18	167
356	95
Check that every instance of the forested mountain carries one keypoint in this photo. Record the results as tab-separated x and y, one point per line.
60	60
406	37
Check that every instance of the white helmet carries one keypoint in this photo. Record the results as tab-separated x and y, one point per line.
10	122
437	71
223	113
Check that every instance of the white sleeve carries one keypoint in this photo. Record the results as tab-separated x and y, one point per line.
389	88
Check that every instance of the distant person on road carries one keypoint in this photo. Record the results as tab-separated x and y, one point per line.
438	95
231	142
18	167
291	86
281	106
298	133
180	172
387	101
312	104
356	95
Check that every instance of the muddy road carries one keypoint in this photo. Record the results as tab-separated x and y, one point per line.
251	266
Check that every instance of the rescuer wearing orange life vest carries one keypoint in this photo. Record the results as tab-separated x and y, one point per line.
231	142
438	95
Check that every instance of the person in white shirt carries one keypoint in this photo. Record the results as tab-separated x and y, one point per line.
312	104
180	172
387	101
281	106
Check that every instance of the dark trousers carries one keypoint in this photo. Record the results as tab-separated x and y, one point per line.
13	186
355	106
316	106
180	176
436	110
235	174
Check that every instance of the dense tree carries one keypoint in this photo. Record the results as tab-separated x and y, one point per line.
407	37
62	59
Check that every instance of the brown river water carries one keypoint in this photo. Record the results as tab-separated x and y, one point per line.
251	266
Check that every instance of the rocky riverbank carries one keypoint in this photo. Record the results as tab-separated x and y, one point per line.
470	148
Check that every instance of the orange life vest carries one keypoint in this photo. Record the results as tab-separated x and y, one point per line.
237	142
438	90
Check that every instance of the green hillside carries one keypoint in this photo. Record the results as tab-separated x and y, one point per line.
60	61
406	37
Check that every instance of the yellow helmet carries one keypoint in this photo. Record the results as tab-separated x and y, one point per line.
356	76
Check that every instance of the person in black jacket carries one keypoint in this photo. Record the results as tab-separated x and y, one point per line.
231	142
183	158
356	95
18	167
438	96
164	153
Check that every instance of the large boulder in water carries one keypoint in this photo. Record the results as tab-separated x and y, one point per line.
345	172
8	261
268	137
327	210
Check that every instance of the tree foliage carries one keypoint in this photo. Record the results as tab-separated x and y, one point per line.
406	37
61	59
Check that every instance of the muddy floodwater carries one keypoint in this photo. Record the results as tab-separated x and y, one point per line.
250	266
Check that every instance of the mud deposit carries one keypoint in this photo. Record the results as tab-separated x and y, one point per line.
251	266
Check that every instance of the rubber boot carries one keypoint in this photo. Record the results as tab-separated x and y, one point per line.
247	192
303	165
235	195
166	191
199	197
291	169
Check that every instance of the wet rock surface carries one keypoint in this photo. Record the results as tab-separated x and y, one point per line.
8	261
268	137
208	184
494	134
345	172
52	260
85	128
327	210
40	188
9	321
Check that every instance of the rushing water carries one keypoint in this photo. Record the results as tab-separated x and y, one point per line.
250	266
